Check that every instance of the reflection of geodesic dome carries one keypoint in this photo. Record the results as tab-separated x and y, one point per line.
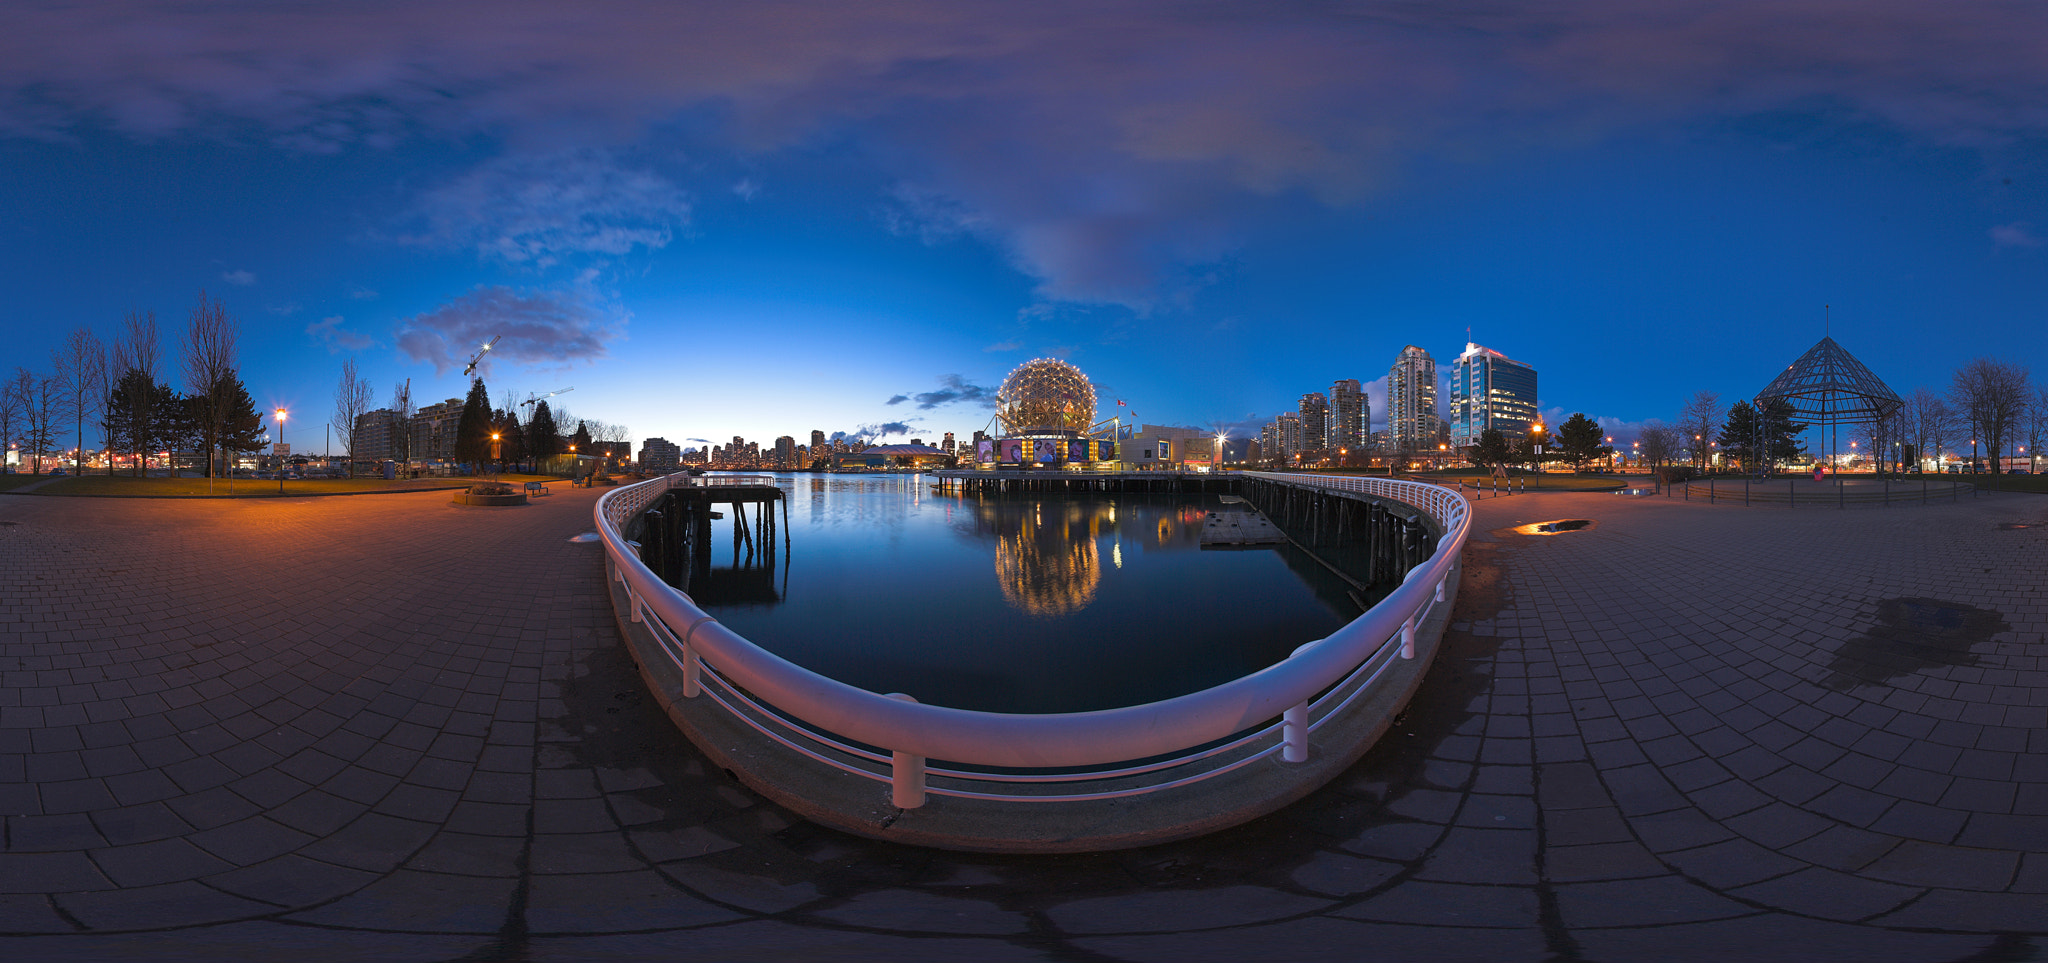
1046	395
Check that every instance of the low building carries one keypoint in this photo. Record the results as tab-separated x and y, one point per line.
659	455
884	457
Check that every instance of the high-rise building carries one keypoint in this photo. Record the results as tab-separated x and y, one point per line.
785	452
1315	423
372	439
1350	416
1287	432
659	454
949	446
1411	401
1490	390
433	429
817	441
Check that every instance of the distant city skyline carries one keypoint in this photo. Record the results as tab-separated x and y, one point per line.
777	218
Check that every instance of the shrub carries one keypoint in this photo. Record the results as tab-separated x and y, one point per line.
491	488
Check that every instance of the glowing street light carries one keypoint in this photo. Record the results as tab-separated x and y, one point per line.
280	451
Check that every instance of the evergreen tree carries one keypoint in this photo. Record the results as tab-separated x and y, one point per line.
142	416
512	436
1492	449
240	428
581	439
1779	431
543	439
1739	437
1579	439
473	429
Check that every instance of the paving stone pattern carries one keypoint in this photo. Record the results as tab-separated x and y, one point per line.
390	728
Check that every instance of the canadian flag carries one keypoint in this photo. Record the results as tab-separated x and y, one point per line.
1120	403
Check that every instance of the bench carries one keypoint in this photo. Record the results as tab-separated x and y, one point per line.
536	488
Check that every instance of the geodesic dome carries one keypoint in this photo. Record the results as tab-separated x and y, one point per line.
1046	395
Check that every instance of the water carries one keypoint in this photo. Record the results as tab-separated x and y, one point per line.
1039	603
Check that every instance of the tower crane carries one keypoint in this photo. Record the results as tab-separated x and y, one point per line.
531	399
478	357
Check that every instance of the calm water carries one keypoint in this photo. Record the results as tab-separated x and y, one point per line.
1023	604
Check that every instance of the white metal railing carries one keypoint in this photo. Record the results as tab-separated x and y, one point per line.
844	726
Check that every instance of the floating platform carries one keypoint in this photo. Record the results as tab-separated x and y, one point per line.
1240	528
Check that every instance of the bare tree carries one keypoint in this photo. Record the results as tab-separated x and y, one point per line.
136	352
1994	396
1931	422
351	402
41	411
1660	443
209	356
80	367
1699	422
402	414
11	402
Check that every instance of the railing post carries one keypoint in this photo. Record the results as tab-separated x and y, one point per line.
906	772
1440	587
1294	732
1408	638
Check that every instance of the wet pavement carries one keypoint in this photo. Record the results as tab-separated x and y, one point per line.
389	728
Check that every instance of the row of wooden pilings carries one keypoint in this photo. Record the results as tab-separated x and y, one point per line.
675	532
1391	539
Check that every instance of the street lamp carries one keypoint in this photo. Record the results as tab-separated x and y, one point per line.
1536	443
280	451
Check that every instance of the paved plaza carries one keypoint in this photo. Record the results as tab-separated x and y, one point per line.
390	728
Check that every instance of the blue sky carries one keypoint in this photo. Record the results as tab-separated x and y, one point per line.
763	219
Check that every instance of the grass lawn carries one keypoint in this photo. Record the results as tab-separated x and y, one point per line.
118	485
11	482
1999	483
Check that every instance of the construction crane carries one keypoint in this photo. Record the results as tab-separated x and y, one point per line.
478	357
532	399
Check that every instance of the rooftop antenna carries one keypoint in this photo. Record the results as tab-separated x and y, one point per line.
1827	321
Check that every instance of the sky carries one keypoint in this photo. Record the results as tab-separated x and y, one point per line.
718	219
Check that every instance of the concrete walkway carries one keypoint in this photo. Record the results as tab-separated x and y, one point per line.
390	728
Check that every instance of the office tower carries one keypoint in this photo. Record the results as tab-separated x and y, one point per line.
1350	415
785	452
1315	423
1411	401
1490	390
948	445
817	441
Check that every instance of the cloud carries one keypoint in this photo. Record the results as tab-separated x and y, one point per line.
873	432
952	389
328	331
238	276
286	309
1111	151
2016	234
360	293
746	188
544	328
538	210
1004	346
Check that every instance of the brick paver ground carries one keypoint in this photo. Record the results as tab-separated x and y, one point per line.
389	728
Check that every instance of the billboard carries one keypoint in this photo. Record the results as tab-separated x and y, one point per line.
1077	450
1106	450
1013	450
985	450
1044	451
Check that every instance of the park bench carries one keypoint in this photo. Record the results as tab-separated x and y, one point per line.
536	488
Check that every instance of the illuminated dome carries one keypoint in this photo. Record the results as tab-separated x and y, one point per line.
1046	395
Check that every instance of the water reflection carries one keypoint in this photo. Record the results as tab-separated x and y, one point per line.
1048	569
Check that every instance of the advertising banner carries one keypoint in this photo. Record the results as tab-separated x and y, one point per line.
1078	451
1107	450
985	450
1013	450
1044	451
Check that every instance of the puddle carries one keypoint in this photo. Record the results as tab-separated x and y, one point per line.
1554	527
1912	634
2005	527
585	537
1635	491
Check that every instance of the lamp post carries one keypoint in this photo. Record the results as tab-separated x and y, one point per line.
280	451
496	458
1536	443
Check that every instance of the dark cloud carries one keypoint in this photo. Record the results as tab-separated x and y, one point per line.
953	389
539	328
1110	150
897	399
876	432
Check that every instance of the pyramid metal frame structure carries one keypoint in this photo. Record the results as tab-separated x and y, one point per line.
1828	386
